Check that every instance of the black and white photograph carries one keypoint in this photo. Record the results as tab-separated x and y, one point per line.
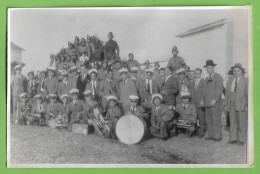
130	87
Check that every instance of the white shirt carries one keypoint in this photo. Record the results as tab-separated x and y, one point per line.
234	84
94	85
197	81
157	108
167	78
150	82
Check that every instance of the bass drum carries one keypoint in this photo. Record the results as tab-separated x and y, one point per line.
130	129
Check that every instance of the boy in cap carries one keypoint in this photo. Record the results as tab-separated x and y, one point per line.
187	114
238	109
65	85
175	61
24	108
113	113
31	85
212	102
53	110
18	86
39	111
161	118
126	88
52	82
75	109
94	84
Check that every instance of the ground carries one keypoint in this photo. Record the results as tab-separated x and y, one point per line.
34	145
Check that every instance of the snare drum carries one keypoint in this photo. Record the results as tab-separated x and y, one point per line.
130	129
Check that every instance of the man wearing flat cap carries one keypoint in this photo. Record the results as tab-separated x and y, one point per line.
238	109
175	61
18	86
212	101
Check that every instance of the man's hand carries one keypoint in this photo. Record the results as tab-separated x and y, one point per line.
201	103
163	92
213	102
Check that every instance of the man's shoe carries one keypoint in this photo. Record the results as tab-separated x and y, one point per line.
217	139
240	143
208	139
232	142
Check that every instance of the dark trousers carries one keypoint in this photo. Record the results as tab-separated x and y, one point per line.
202	122
228	120
213	121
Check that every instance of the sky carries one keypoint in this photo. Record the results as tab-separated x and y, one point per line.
149	34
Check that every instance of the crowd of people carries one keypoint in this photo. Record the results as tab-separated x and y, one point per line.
168	99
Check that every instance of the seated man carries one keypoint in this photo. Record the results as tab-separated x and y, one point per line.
88	105
113	114
53	110
74	110
61	118
39	111
161	118
135	109
187	114
23	109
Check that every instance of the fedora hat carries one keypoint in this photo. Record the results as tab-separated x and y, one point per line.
210	63
238	65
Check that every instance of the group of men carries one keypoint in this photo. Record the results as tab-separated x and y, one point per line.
168	99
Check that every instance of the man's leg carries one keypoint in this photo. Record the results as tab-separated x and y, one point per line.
13	115
216	116
208	118
201	117
242	126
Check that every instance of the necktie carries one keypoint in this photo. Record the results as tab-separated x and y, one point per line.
31	84
42	84
149	87
184	106
235	89
94	88
196	84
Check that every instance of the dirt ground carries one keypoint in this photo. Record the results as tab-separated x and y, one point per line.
34	145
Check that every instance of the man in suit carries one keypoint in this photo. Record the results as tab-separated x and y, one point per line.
183	83
73	75
196	89
161	118
169	88
160	78
31	85
238	105
227	97
41	89
65	85
52	82
39	109
148	87
82	81
212	102
94	84
18	86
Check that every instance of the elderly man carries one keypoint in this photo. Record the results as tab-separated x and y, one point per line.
212	102
238	105
18	86
175	61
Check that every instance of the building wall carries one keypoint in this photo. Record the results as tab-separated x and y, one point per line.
16	54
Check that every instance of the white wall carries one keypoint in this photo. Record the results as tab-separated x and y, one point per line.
16	54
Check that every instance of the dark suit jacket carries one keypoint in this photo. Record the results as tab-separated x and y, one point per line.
143	86
81	84
197	94
171	88
18	85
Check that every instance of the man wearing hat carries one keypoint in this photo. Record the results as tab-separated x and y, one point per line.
73	75
65	85
111	50
126	88
94	84
53	110
90	102
169	88
161	118
51	82
102	72
148	87
175	61
75	109
212	102
134	109
41	84
113	113
238	109
18	86
82	80
39	110
24	108
91	47
156	70
131	62
31	85
183	83
227	97
196	89
187	114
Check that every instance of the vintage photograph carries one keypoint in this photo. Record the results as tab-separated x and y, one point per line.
130	87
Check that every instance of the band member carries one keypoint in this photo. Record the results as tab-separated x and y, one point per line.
82	47
31	85
108	87
148	87
160	78
156	70
41	85
183	83
147	65
61	119
75	109
136	79
131	62
197	89
126	88
39	111
113	113
238	105
227	97
76	43
94	84
73	75
23	109
18	86
91	47
111	50
82	81
116	67
191	76
169	88
52	82
212	101
70	50
161	118
176	62
53	111
102	72
134	109
187	114
65	85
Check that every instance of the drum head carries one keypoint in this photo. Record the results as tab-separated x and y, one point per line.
130	129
